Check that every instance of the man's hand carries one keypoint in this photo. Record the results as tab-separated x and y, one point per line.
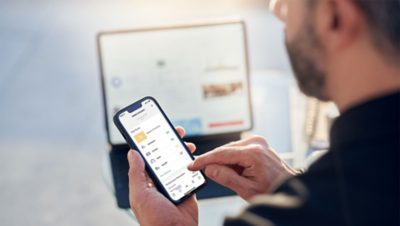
248	167
150	206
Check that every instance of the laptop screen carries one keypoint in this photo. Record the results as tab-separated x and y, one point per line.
198	74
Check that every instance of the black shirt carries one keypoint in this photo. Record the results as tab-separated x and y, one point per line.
355	183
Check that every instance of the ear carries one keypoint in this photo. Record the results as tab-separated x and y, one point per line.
338	23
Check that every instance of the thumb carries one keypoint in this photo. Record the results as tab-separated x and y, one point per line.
227	177
137	173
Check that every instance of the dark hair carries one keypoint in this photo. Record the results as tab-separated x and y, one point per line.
384	23
384	19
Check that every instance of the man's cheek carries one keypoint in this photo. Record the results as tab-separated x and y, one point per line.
294	22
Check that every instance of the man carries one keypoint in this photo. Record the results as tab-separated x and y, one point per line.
347	51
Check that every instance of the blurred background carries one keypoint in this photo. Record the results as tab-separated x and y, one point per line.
52	136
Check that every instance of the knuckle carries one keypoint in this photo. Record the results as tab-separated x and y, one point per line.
257	149
217	174
212	172
130	173
259	139
255	152
229	181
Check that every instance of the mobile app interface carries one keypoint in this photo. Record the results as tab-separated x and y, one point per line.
162	149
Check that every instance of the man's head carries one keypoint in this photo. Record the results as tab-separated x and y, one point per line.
322	33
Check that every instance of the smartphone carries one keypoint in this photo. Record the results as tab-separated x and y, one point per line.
147	129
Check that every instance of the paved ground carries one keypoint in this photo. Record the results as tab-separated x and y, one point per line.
51	132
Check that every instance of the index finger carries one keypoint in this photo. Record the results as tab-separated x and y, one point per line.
222	155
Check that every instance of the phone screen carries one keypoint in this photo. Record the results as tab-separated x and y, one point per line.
162	149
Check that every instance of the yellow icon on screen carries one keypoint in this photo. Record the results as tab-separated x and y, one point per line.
140	137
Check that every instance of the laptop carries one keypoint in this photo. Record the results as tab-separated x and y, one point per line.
199	74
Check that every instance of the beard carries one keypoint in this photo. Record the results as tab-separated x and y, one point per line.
303	52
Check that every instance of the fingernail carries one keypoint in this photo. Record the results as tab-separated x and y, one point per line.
190	165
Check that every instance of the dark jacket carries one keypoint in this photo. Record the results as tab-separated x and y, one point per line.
355	183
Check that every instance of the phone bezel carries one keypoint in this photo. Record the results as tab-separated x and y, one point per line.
136	105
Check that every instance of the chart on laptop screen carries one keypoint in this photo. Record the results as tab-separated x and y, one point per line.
197	73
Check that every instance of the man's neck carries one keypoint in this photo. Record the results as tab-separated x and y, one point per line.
360	78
